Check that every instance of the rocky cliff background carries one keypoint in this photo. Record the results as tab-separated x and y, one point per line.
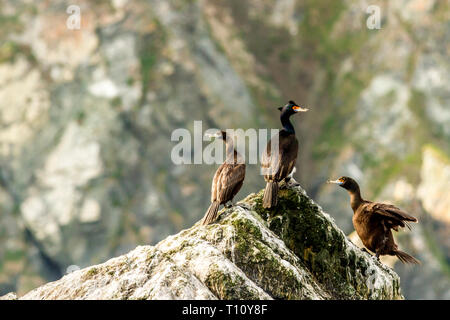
86	118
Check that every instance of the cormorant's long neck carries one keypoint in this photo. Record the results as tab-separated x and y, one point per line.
355	199
231	153
229	147
286	122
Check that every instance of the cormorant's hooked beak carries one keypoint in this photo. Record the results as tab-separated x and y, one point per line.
299	109
338	182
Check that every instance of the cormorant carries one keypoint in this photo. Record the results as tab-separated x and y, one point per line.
280	164
373	222
227	180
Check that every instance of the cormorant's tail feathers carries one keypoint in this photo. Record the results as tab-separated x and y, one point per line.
406	258
270	194
211	214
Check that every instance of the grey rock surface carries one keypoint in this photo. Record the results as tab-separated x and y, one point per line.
293	252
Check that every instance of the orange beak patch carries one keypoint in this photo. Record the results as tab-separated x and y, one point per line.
299	109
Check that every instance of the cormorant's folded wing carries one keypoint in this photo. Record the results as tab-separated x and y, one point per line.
279	163
230	177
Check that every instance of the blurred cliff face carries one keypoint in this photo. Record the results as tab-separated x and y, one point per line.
86	117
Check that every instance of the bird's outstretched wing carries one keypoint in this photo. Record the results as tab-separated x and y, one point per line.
394	216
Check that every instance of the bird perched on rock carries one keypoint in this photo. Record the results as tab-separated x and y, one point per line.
373	222
278	164
227	180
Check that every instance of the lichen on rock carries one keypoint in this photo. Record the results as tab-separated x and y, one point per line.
294	251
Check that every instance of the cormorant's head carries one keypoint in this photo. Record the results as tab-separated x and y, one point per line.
346	183
219	134
291	107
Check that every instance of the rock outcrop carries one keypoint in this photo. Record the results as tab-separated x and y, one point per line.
293	252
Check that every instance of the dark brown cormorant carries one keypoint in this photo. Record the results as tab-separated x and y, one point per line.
373	222
228	179
280	164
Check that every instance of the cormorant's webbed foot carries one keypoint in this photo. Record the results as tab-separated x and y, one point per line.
243	206
290	182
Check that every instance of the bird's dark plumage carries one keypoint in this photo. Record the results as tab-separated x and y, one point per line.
227	180
373	222
279	163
